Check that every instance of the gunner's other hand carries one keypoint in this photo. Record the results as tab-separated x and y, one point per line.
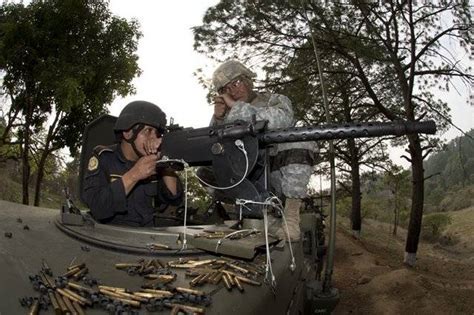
145	167
220	108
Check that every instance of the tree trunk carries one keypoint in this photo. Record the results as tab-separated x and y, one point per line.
356	195
396	213
39	177
44	156
25	155
26	170
416	214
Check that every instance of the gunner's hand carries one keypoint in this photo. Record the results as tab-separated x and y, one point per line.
152	146
145	167
228	100
220	108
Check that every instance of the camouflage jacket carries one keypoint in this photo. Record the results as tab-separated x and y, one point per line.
276	109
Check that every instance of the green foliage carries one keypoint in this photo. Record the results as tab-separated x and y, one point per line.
457	199
11	190
451	173
197	195
66	56
63	62
434	225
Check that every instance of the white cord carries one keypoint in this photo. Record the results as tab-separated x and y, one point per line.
268	265
240	145
275	202
185	246
278	205
165	159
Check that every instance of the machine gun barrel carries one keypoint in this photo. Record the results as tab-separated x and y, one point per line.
346	131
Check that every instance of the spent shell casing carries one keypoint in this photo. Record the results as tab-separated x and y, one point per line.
186	308
46	281
109	288
78	308
78	275
217	278
231	280
158	246
148	295
225	277
64	293
191	291
124	295
54	302
118	297
206	278
71	272
80	266
77	297
238	284
127	265
247	280
79	287
162	292
159	264
242	270
34	308
69	306
60	301
196	280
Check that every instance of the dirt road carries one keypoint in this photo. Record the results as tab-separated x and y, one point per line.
372	278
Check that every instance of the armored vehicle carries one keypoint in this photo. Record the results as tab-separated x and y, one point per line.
62	261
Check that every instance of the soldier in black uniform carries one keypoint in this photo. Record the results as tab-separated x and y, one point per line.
121	184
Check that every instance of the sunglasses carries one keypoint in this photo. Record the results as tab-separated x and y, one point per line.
229	86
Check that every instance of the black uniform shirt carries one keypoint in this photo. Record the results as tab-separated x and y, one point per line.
104	191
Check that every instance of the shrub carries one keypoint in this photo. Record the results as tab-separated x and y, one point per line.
434	224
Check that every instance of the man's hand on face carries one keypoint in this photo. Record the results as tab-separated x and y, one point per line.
151	146
228	100
220	108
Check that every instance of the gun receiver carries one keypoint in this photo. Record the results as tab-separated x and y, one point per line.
216	145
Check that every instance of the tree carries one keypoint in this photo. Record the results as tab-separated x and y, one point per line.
291	70
63	62
397	180
395	49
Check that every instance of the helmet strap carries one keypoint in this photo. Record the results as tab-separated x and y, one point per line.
136	130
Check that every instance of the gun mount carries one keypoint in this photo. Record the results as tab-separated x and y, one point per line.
216	146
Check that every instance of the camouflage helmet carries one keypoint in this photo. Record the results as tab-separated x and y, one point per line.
140	112
228	71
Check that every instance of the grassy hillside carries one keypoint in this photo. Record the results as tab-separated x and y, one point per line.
461	229
11	190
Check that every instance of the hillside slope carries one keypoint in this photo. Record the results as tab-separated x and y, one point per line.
372	279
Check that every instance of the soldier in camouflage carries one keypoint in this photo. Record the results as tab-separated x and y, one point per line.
290	163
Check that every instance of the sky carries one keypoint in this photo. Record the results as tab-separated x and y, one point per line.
167	60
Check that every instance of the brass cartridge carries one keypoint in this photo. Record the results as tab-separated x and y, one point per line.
61	303
34	309
238	284
191	291
186	308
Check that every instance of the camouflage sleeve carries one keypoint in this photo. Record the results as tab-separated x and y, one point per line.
277	110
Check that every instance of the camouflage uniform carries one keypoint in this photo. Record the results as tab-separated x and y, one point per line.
291	163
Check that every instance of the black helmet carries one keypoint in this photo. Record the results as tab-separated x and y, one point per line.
140	112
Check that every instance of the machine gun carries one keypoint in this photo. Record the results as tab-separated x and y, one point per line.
233	149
